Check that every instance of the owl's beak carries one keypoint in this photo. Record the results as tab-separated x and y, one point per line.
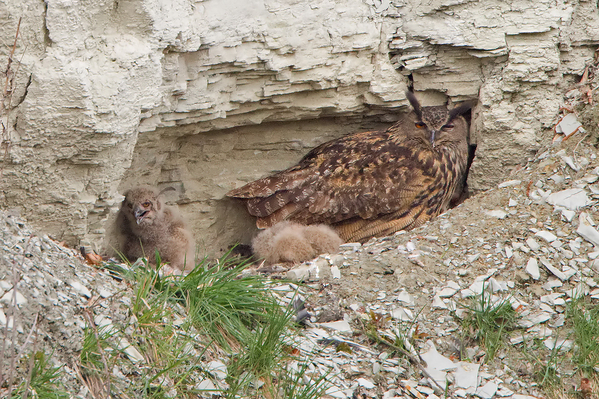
139	215
433	132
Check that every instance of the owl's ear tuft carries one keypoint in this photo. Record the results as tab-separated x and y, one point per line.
414	102
459	110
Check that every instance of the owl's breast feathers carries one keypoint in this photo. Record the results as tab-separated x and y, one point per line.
365	184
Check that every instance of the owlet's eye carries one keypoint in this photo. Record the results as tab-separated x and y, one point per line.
449	126
146	204
420	125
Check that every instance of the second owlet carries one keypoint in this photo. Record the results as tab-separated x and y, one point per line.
146	225
372	183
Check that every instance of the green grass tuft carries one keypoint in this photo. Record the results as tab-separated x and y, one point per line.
488	322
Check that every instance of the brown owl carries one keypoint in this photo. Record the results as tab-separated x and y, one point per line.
372	183
145	225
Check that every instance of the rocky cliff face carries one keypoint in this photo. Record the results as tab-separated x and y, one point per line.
205	95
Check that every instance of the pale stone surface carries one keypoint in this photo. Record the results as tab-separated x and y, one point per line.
204	97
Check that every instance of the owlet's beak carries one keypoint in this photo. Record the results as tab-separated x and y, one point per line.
139	215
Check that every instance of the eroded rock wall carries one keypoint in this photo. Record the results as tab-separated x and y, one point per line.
205	95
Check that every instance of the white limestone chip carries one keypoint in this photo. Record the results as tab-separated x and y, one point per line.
509	183
218	369
533	319
350	246
533	244
560	343
568	215
556	272
546	235
438	303
551	298
402	314
8	298
363	382
341	326
405	297
335	272
532	268
586	230
132	353
466	375
569	125
449	290
572	199
487	391
497	213
80	288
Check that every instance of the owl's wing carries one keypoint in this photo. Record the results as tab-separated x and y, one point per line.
361	175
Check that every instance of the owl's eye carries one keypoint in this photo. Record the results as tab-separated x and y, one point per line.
146	204
449	126
420	125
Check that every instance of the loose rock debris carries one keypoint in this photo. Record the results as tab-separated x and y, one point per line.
533	241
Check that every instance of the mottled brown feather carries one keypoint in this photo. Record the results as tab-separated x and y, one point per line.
145	225
371	183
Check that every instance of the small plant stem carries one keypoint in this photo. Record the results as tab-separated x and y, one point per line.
417	362
90	320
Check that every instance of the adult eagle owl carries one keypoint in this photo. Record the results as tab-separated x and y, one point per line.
372	183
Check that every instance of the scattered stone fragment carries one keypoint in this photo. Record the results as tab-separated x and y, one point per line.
402	314
509	183
335	272
80	288
466	375
533	319
561	344
341	326
11	296
556	272
497	213
487	391
586	229
405	297
569	125
532	244
365	383
217	368
449	290
309	272
546	235
532	268
350	246
572	199
131	352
